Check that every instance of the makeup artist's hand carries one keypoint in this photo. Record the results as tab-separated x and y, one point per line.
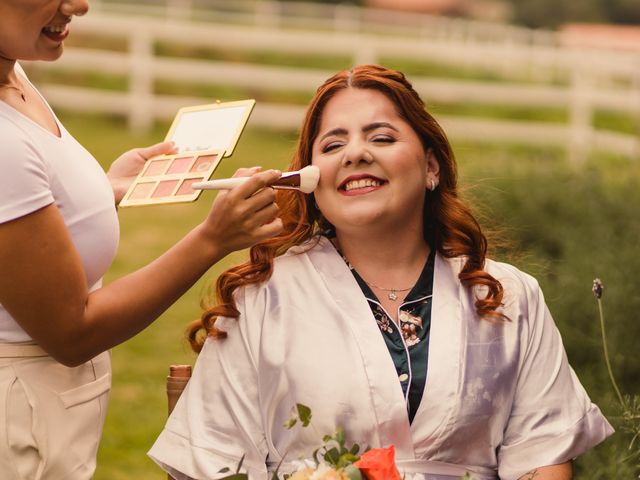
246	214
127	166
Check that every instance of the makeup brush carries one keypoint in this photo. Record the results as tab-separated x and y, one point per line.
305	180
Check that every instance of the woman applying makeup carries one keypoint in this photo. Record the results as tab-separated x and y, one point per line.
378	308
58	236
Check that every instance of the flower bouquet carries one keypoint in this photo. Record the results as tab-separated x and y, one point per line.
333	460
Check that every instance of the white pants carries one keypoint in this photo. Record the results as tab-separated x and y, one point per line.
51	416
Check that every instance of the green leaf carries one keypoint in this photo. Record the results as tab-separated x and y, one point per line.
347	459
275	472
327	438
340	436
290	423
304	413
237	475
355	449
332	456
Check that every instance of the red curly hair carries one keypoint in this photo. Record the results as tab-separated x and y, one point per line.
450	227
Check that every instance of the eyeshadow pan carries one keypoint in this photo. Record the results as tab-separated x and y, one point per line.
165	188
180	165
186	189
204	163
142	190
156	167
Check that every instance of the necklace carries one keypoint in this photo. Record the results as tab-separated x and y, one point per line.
13	87
393	292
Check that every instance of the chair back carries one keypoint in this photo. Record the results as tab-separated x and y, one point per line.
176	382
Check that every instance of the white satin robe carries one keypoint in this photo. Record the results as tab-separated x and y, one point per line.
500	398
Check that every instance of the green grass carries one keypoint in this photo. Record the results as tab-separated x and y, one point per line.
222	92
568	224
616	121
257	57
79	79
503	112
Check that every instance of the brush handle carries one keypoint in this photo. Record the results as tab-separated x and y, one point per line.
220	184
286	181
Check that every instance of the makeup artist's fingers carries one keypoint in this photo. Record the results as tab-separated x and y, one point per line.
131	162
127	166
246	171
257	182
162	148
244	215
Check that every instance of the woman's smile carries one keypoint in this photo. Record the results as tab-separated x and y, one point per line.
57	33
360	184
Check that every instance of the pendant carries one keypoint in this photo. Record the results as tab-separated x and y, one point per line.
392	296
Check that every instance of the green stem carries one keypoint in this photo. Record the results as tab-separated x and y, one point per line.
606	355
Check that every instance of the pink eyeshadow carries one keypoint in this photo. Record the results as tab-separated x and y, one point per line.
156	167
165	188
142	190
180	165
204	163
185	188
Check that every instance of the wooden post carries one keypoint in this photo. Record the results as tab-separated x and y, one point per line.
141	55
635	101
176	382
364	53
581	113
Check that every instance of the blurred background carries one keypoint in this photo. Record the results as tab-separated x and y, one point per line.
540	98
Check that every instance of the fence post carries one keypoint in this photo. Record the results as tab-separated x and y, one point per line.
141	79
364	53
580	114
635	101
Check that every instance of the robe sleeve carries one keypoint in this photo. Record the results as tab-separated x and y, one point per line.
216	421
552	419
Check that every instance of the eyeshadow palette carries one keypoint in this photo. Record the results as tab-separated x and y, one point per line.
203	136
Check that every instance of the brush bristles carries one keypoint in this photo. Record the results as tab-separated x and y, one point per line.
309	178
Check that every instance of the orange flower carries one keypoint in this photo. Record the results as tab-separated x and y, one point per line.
379	464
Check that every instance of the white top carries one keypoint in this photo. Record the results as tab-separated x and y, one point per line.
38	168
500	397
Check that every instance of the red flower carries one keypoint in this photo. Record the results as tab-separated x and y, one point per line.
379	464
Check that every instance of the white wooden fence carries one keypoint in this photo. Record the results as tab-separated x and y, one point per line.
337	17
595	80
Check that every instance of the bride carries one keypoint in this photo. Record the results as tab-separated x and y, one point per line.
378	308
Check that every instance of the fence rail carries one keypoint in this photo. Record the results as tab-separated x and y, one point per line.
587	87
